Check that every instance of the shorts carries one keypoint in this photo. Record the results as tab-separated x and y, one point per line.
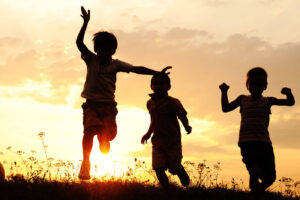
100	118
167	157
259	155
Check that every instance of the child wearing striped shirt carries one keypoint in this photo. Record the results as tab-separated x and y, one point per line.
254	140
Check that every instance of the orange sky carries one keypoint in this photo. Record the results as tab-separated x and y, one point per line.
207	42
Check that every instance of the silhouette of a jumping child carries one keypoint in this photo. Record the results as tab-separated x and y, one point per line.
99	110
166	139
254	140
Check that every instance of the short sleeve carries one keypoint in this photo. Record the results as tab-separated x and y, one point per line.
87	55
123	66
178	107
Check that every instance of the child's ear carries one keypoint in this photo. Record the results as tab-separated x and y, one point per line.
247	85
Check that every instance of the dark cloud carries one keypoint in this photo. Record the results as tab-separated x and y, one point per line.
198	67
284	131
180	34
9	42
61	72
20	68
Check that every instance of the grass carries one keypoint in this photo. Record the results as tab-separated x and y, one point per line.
117	189
56	179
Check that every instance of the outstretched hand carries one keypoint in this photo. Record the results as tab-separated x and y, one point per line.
85	15
224	87
165	69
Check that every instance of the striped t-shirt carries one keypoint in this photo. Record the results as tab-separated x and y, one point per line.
254	119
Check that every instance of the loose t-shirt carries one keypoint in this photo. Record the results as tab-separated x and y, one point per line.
100	84
164	113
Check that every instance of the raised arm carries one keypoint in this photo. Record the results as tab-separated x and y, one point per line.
289	101
79	41
147	71
226	106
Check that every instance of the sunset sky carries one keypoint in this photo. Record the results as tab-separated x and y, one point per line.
206	41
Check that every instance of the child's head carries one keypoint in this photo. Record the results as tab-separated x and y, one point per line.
256	81
105	43
160	83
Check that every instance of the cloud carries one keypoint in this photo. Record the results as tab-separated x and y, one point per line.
181	34
216	3
269	2
9	42
284	129
198	66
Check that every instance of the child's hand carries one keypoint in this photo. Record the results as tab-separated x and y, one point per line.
188	129
224	87
145	138
85	15
286	91
165	69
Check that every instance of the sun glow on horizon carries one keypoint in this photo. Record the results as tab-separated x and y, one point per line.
102	165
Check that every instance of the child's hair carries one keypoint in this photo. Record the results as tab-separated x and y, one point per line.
163	76
255	73
106	39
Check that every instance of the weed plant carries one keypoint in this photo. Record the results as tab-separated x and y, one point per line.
51	172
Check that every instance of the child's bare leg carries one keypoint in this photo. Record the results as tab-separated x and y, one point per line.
162	178
183	176
87	145
254	184
104	143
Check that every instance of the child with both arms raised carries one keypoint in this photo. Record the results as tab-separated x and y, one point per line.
99	110
254	140
166	138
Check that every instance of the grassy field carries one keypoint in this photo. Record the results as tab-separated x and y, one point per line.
43	179
110	190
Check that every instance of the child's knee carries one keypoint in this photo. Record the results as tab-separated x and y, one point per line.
176	169
94	130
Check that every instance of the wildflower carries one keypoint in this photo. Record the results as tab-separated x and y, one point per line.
8	148
297	183
33	151
41	134
20	152
32	158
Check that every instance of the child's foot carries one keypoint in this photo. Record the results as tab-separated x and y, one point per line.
84	173
184	177
104	146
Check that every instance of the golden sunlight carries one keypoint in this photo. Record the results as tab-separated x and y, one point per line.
104	165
